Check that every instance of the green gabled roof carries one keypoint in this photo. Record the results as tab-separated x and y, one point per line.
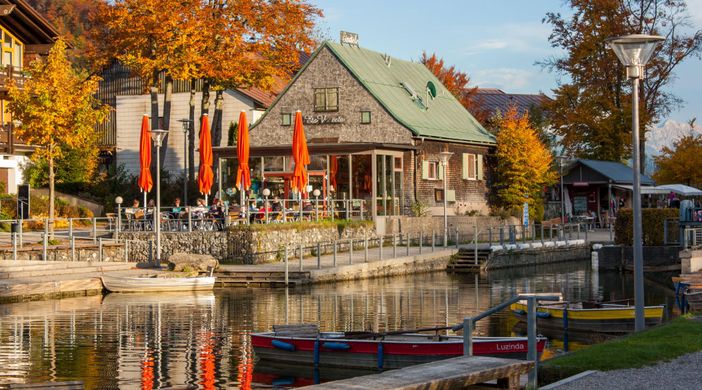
445	119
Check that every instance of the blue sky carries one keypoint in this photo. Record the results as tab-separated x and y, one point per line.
496	42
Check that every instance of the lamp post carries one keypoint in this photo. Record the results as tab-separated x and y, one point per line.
266	194
560	172
316	194
157	136
634	51
186	130
445	156
118	223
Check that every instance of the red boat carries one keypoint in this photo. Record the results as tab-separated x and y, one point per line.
346	349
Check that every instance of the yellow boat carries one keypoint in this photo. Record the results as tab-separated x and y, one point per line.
610	318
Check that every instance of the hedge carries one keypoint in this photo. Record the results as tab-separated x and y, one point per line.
653	221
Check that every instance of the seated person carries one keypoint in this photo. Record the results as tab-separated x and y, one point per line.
200	208
177	210
217	208
253	210
132	210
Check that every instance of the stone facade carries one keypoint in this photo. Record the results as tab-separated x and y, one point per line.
471	194
110	252
325	71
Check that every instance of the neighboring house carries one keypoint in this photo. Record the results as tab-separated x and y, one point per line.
125	94
596	187
494	101
374	133
24	36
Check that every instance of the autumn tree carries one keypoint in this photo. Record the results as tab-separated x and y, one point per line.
682	163
591	110
71	19
57	109
457	83
524	165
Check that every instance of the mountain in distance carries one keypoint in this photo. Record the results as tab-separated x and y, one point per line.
665	135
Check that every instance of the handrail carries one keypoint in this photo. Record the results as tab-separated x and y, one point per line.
532	299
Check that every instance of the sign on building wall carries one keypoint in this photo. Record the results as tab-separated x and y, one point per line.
525	216
323	119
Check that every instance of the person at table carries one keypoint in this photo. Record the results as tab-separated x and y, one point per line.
217	208
132	210
177	210
253	210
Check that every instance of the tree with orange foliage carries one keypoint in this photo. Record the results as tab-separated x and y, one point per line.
57	110
457	83
681	164
524	165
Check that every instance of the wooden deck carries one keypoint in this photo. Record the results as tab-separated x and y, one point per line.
455	373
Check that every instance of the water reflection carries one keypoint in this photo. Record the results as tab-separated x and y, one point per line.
139	341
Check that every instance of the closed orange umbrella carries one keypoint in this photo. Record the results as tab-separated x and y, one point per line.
145	182
300	155
205	177
243	176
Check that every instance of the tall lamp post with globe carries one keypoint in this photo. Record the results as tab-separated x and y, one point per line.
445	156
157	136
634	51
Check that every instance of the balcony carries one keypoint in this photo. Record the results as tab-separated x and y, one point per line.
7	74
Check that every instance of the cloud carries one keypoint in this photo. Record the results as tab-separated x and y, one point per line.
508	79
695	8
514	37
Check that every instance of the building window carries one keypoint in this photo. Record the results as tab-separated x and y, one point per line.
438	195
431	170
365	117
326	99
472	166
286	119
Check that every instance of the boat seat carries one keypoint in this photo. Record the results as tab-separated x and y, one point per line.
297	330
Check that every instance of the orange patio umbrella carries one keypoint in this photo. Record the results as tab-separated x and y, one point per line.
243	176
300	155
205	176
145	182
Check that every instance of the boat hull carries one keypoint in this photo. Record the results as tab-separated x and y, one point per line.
380	354
610	319
127	284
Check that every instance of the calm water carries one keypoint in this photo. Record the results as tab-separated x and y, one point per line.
165	340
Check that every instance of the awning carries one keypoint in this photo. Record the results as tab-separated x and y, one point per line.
679	189
645	190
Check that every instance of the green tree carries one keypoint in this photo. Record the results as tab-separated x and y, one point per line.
524	165
232	133
591	110
57	109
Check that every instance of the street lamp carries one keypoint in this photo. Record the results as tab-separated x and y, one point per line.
186	129
266	194
118	223
634	51
445	156
316	194
157	136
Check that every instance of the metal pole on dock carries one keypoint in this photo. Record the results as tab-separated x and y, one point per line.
433	240
70	227
21	238
394	246
73	248
334	256
94	232
319	256
302	250
468	336
14	246
351	251
408	240
421	238
45	243
531	336
285	258
365	249
380	247
100	249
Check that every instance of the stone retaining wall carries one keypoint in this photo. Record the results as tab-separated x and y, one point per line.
537	256
247	244
110	252
616	257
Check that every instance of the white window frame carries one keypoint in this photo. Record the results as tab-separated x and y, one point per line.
470	172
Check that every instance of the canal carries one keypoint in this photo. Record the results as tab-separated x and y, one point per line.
137	341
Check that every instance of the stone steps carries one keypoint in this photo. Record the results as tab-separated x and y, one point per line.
40	268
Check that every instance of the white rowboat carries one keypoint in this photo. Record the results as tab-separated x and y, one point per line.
131	284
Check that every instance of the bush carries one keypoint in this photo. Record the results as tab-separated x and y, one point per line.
653	221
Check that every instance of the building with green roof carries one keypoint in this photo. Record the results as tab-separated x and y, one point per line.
375	126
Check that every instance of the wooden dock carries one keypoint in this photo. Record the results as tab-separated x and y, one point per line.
692	291
455	373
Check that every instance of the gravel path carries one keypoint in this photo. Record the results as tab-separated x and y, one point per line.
683	373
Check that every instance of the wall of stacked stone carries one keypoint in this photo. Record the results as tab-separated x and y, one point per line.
199	242
110	252
465	225
248	244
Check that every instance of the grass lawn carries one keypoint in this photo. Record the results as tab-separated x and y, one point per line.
678	337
